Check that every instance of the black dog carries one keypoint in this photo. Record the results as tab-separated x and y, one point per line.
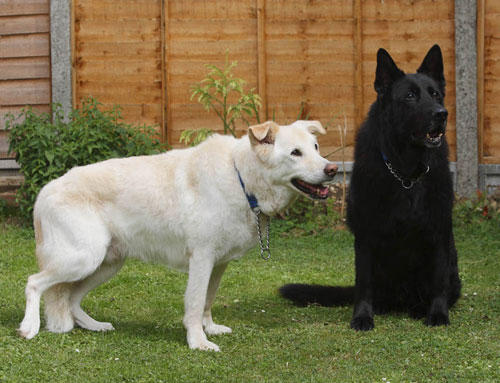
399	203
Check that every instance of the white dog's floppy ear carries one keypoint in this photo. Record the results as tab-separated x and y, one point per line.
313	126
316	127
264	133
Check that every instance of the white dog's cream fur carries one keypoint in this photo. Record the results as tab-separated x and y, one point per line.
185	208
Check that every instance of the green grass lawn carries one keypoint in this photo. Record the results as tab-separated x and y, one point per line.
272	340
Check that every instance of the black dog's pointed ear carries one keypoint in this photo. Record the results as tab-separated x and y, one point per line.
432	65
387	71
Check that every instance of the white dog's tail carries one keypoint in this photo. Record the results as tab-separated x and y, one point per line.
58	309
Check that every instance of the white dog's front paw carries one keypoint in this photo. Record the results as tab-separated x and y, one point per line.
205	346
217	329
197	340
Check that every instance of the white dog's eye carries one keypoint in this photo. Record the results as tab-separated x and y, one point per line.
316	147
296	152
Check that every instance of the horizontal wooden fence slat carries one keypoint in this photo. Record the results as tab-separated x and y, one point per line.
491	23
25	68
117	50
310	72
24	45
24	92
492	68
212	30
24	24
409	30
206	51
111	10
408	10
188	73
130	72
111	92
140	114
308	10
24	7
309	29
119	30
322	50
212	9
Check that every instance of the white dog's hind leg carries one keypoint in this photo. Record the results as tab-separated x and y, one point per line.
71	247
57	311
210	327
36	286
200	269
82	288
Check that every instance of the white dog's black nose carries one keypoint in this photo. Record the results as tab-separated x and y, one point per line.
331	169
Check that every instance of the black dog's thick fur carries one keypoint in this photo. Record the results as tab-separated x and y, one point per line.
405	256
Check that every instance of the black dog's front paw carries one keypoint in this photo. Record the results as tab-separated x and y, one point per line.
437	319
362	323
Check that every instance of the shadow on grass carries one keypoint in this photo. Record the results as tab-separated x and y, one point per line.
151	330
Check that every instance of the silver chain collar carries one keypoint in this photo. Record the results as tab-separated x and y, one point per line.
407	183
265	252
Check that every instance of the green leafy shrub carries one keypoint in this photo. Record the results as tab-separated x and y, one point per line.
224	94
306	217
47	149
475	210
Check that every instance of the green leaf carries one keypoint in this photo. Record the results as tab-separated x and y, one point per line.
49	156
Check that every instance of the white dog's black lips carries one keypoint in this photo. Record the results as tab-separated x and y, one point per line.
313	191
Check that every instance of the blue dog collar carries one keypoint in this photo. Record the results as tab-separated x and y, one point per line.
265	253
252	200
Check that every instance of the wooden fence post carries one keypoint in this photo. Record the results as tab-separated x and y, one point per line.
466	100
60	53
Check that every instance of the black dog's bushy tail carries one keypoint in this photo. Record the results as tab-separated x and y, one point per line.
302	295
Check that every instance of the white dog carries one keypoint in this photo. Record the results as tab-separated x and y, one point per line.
186	208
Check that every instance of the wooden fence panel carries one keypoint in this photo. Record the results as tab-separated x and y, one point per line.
24	60
407	30
117	56
199	33
318	57
490	133
310	65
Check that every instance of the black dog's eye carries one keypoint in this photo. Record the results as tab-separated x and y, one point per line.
296	152
435	94
410	96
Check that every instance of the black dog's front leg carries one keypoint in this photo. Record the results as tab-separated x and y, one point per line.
362	319
438	309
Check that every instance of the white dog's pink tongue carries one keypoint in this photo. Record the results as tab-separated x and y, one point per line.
323	191
319	191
